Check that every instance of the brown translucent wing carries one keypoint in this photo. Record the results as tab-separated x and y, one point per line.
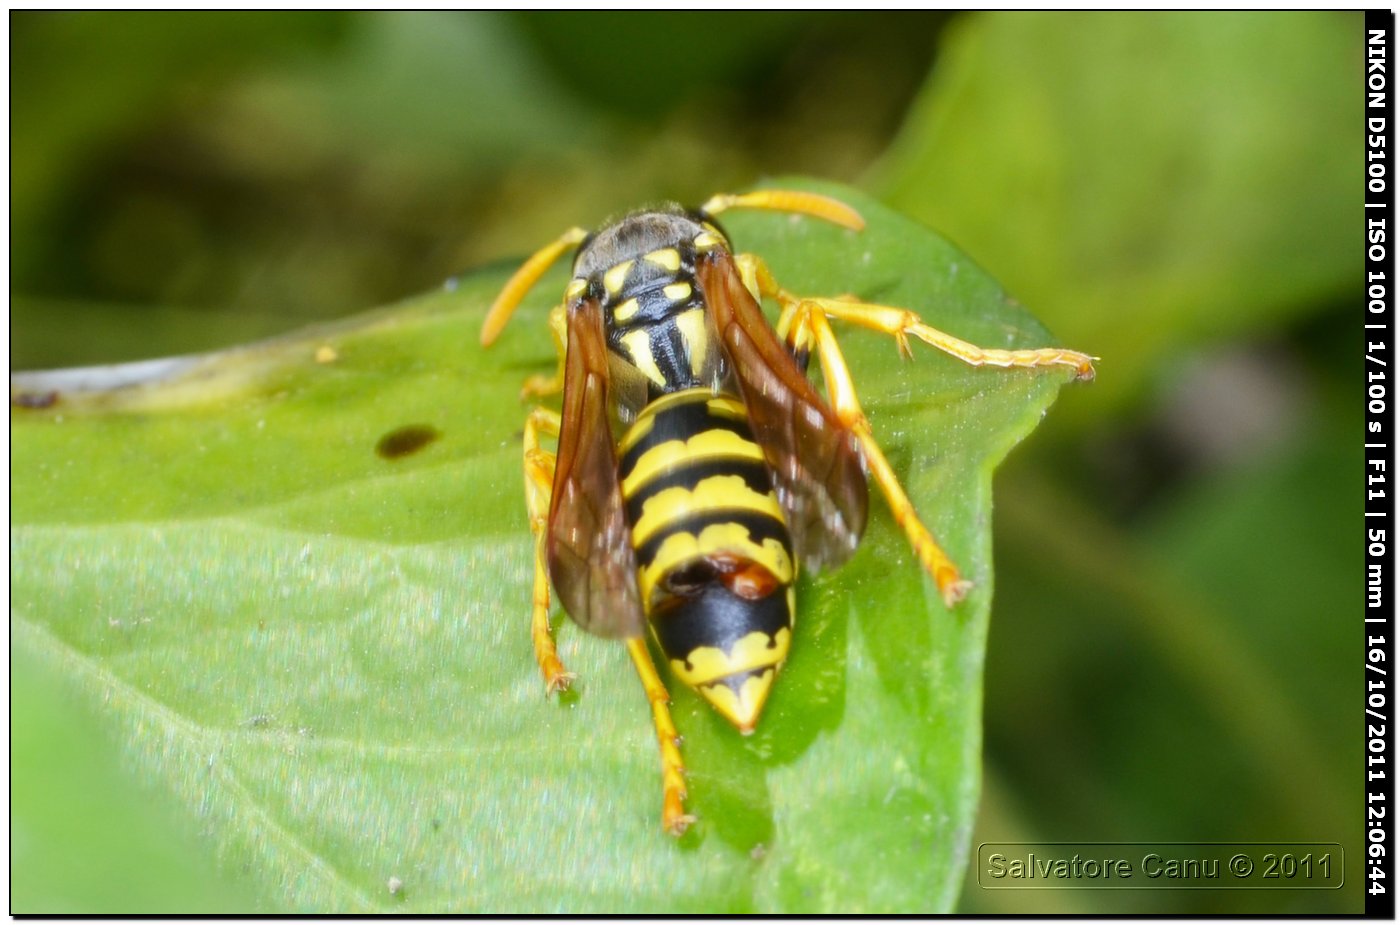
591	561
816	460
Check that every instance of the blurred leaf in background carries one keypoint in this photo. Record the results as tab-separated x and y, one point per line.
1175	191
1171	191
1151	180
316	161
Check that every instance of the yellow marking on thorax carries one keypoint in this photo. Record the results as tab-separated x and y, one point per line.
638	344
624	312
668	258
678	292
731	538
576	288
697	338
709	240
708	444
614	278
709	663
718	492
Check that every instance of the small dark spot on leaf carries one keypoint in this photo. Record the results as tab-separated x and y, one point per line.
34	399
406	440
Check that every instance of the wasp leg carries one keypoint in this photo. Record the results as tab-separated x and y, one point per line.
522	280
792	328
543	386
798	201
539	484
674	818
842	393
803	326
900	323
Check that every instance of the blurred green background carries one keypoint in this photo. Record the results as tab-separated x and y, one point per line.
1176	614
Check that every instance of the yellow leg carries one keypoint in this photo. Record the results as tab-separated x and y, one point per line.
804	203
842	393
803	326
900	323
674	818
539	484
523	279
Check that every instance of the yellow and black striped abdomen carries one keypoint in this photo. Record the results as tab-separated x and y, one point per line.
714	556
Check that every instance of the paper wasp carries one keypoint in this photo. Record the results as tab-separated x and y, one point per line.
697	467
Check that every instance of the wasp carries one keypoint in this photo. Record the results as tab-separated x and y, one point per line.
697	468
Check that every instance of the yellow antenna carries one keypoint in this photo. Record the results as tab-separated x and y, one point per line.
780	200
524	278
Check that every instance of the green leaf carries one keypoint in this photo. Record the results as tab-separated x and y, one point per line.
324	654
85	838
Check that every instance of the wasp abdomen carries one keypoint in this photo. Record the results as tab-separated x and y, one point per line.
714	555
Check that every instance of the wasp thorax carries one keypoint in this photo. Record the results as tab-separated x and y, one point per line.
634	235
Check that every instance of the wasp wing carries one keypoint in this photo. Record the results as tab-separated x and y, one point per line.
591	561
816	460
